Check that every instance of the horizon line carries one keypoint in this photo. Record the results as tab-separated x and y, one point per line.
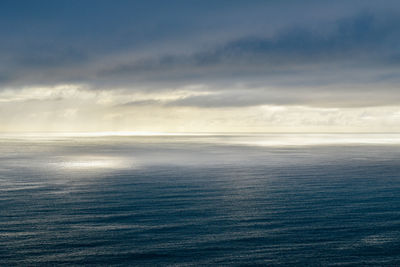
157	133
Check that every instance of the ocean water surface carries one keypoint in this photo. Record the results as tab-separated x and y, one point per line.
190	200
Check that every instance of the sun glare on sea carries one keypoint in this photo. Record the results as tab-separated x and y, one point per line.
92	163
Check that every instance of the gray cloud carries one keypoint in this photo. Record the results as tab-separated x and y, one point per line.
319	98
363	41
247	54
147	102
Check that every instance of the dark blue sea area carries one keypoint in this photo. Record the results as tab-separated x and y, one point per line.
199	200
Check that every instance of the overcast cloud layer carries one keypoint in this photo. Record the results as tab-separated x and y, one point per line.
200	54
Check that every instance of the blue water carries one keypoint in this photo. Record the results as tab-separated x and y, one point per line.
178	200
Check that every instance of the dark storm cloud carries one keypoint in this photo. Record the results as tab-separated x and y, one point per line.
330	51
359	40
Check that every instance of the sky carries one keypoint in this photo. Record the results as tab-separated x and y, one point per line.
199	66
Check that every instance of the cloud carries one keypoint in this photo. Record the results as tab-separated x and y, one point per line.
360	42
302	97
264	53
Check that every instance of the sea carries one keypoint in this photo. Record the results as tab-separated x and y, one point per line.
127	199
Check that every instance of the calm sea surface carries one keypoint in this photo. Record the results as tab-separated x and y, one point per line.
200	200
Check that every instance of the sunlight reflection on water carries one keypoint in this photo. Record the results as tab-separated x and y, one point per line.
92	163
